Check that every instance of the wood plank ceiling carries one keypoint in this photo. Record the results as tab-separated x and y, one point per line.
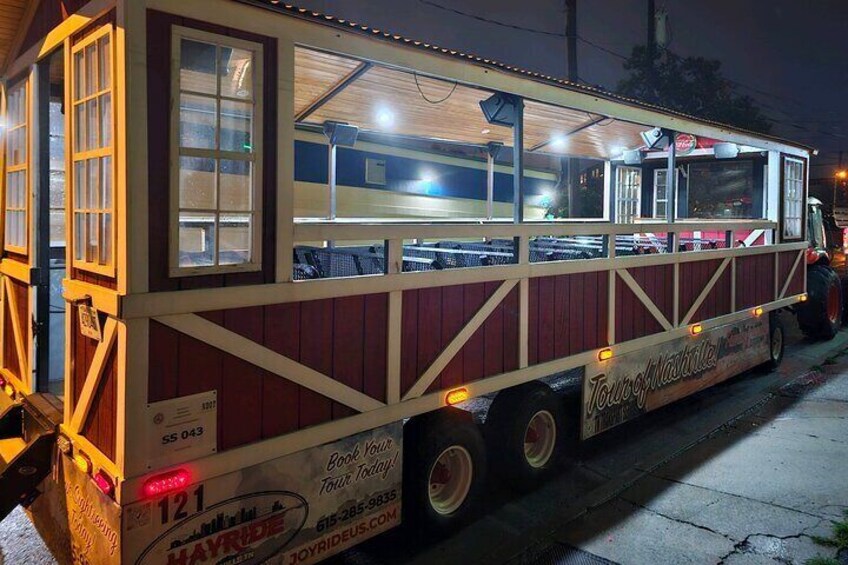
11	18
383	99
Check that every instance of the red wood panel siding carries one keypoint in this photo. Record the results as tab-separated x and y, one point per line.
754	280
567	315
694	277
658	283
785	262
22	317
632	318
48	15
158	124
344	338
100	426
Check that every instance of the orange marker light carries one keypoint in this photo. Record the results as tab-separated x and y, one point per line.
802	298
605	354
82	462
758	311
456	396
697	328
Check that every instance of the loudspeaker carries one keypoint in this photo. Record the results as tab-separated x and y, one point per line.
726	150
499	109
340	133
633	157
656	138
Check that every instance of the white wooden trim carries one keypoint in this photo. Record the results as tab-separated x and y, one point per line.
449	352
393	346
704	293
732	283
791	274
94	375
676	295
198	300
266	450
611	313
285	161
645	299
752	237
524	323
251	352
134	348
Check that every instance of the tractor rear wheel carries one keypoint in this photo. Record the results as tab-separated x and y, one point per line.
821	315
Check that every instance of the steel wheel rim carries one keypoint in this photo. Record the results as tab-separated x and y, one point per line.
776	343
540	439
449	480
833	304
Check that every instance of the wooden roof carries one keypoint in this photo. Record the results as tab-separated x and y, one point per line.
13	14
436	109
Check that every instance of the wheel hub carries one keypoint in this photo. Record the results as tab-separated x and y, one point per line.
450	479
540	439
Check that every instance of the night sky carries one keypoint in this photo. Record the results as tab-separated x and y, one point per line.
790	55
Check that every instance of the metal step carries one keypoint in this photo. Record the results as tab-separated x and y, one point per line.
27	435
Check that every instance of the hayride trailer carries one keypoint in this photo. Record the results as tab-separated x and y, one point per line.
259	265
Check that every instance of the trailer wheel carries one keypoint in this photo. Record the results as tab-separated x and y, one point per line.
821	315
524	433
777	342
444	470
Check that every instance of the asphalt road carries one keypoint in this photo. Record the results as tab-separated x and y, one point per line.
519	528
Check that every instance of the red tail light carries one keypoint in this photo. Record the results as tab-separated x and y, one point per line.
166	482
104	483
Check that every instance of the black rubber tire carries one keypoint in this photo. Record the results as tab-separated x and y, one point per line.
812	314
425	438
506	425
775	327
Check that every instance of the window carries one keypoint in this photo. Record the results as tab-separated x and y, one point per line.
216	179
793	198
92	153
628	188
723	190
661	192
17	179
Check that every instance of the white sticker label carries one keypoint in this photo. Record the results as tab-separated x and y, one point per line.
89	322
182	429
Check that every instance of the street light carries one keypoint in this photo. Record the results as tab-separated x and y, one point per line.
841	174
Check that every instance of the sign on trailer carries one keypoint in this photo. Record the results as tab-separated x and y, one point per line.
625	387
297	509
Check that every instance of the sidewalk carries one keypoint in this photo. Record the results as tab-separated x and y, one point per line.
756	491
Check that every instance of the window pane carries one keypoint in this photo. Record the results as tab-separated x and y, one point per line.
197	239
92	199
105	120
236	73
236	183
104	62
106	182
236	126
197	122
91	237
79	128
91	124
235	239
197	66
90	67
197	183
79	235
79	185
79	67
105	239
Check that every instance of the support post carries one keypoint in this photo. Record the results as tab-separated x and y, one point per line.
518	162
331	180
492	150
671	189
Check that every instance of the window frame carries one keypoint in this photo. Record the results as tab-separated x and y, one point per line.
22	167
676	192
620	172
175	151
802	165
74	156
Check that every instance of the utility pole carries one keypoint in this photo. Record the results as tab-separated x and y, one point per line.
651	46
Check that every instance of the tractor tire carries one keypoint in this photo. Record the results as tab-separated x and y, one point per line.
525	431
821	315
444	467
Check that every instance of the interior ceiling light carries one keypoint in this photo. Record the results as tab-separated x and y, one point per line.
385	118
558	142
